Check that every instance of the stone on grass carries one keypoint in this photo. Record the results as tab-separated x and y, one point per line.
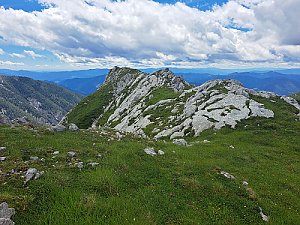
245	183
160	152
80	165
227	175
32	173
231	146
93	164
150	151
73	127
5	214
34	158
206	141
59	128
71	154
180	142
55	153
2	159
263	216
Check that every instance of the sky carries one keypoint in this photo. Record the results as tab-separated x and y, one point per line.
84	34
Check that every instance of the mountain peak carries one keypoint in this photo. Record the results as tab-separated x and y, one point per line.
161	104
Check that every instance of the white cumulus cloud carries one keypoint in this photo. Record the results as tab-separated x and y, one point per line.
146	33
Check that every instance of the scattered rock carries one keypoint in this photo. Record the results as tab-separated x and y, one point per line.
2	159
227	175
32	173
34	158
99	156
5	214
71	154
80	165
150	151
55	153
231	146
180	142
93	164
206	141
160	152
73	127
4	120
245	183
153	152
119	136
2	150
263	216
59	128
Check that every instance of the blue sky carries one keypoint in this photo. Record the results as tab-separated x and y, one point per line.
33	5
141	33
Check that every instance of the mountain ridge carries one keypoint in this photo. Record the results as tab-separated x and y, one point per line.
39	101
161	104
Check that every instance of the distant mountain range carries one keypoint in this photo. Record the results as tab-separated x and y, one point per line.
280	81
39	101
84	86
54	76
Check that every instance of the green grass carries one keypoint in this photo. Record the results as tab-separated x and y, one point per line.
181	187
90	108
162	93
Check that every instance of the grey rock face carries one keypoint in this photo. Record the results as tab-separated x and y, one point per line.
292	102
5	214
73	127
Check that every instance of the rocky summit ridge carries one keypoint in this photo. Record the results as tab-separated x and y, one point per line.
161	104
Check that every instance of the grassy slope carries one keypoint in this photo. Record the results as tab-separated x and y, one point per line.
181	187
90	108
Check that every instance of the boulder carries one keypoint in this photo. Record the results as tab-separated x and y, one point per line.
73	127
5	214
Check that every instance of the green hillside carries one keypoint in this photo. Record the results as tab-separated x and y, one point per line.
184	186
39	101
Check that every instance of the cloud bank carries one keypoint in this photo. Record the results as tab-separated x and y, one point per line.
144	33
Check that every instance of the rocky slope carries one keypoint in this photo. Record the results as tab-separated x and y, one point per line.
39	101
162	105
